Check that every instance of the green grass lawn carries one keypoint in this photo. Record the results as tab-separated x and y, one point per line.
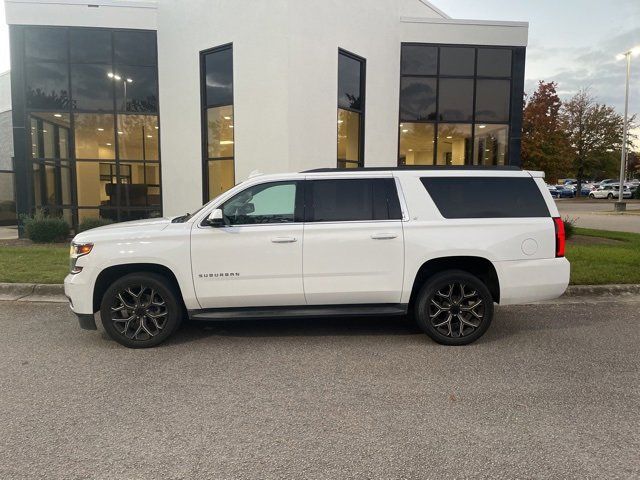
34	264
591	263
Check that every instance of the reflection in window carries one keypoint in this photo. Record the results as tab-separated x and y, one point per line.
217	87
132	47
419	60
492	100
94	136
490	144
90	45
348	138
51	183
351	72
454	144
418	98
457	61
138	137
46	43
91	87
136	89
494	62
49	135
47	86
7	199
455	99
417	143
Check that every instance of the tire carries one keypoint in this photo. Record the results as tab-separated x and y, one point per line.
610	196
140	310
444	313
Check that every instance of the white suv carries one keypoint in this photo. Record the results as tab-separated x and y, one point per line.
441	244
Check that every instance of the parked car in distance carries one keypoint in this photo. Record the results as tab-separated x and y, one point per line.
553	190
604	182
610	191
586	189
330	242
564	191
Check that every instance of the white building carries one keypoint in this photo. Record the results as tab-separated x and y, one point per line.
238	86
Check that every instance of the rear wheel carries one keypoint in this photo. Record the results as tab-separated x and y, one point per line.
454	308
610	196
140	310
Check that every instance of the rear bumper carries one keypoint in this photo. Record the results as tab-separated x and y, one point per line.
526	281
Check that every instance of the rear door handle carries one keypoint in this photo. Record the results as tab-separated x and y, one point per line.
383	236
283	239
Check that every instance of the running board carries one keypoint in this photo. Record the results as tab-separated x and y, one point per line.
251	313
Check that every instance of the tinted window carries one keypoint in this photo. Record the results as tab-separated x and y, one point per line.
42	43
494	62
219	77
419	60
47	85
267	203
134	48
349	94
351	200
92	88
486	197
457	61
90	46
418	98
456	99
492	100
136	91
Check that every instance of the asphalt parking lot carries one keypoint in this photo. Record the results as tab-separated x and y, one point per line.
599	214
551	391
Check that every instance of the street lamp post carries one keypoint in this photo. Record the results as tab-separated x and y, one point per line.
620	205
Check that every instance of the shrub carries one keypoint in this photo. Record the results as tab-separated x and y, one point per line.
44	229
90	223
569	227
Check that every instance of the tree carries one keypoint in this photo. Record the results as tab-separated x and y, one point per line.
545	144
595	136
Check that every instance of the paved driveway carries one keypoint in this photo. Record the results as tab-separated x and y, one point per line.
550	391
599	214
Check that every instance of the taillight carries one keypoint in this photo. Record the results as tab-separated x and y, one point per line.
560	237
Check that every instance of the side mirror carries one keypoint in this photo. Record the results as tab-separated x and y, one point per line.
215	218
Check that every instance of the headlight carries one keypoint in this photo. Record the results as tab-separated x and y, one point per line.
77	250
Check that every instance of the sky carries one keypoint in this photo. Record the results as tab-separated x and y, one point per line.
572	42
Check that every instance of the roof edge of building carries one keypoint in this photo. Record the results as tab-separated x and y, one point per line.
460	21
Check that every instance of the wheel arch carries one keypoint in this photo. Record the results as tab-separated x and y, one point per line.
107	276
478	266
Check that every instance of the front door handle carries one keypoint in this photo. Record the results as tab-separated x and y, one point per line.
283	239
383	236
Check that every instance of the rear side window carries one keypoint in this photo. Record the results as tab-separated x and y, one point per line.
351	200
486	197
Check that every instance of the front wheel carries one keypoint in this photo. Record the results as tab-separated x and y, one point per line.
610	196
140	310
454	308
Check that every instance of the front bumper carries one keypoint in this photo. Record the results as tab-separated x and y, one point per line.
78	288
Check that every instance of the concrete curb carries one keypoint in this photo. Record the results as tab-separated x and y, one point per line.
32	292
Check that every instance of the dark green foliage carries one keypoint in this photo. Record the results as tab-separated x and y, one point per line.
569	227
44	229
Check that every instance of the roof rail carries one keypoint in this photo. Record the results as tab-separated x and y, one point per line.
413	167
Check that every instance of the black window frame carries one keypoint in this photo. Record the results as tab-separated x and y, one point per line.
361	111
516	84
204	106
21	116
387	184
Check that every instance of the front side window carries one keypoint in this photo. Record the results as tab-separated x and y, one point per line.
350	110
217	117
351	200
266	203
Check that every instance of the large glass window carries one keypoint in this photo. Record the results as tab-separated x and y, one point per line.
351	90
455	105
218	126
91	98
